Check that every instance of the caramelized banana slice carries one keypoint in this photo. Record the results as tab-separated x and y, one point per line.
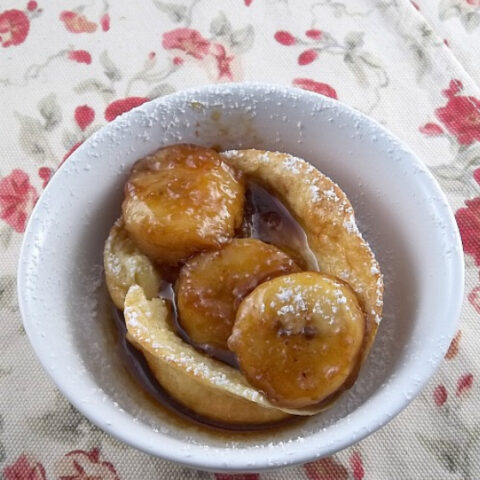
181	200
125	266
212	285
298	338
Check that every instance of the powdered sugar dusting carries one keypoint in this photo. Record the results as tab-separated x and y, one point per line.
350	225
379	293
331	194
299	299
315	192
233	153
341	299
293	164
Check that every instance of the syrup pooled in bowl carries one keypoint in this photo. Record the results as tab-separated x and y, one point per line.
268	219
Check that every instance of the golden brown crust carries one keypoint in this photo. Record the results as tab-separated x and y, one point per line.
125	266
208	401
327	217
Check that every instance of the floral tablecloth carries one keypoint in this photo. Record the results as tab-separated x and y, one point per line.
69	67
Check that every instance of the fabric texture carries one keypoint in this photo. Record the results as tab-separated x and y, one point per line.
67	68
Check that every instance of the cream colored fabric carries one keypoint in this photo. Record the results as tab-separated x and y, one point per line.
67	68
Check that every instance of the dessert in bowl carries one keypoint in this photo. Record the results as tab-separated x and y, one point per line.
239	331
61	264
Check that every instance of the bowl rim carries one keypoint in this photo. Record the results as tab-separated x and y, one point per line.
252	459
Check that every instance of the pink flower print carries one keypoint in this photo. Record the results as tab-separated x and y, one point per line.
85	465
80	56
14	27
223	61
285	38
317	87
188	40
24	468
440	395
464	384
308	56
84	116
17	198
105	22
123	105
77	23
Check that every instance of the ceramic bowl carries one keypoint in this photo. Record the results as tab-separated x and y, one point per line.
399	207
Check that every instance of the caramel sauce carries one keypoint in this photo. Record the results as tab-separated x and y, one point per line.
266	219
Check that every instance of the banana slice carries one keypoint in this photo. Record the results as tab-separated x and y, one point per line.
327	217
298	338
181	200
211	286
125	266
203	384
